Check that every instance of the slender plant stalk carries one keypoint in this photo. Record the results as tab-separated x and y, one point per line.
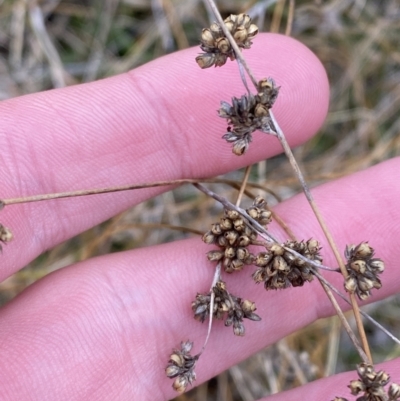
289	24
277	16
243	186
86	192
345	323
289	154
368	317
129	187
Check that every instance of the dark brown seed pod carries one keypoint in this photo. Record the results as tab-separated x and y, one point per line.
216	45
209	238
394	392
279	268
363	270
215	256
181	367
5	235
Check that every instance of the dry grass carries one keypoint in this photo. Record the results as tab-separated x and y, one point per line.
60	42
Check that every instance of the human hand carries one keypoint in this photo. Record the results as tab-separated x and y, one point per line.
103	329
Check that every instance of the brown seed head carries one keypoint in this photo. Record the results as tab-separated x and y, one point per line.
259	201
206	60
240	146
237	264
263	258
242	253
377	265
265	217
232	214
277	250
231	236
207	37
359	266
209	237
365	284
216	229
172	370
248	306
223	241
363	251
240	35
394	391
215	256
253	212
181	366
180	384
230	252
356	386
223	45
261	110
350	284
5	234
363	268
177	359
243	240
238	329
239	224
226	224
252	31
216	29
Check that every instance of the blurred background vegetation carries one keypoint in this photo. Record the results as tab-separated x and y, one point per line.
54	43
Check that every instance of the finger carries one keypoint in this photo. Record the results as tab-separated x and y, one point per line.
335	386
123	313
158	122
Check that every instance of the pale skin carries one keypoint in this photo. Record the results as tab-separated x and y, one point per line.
103	329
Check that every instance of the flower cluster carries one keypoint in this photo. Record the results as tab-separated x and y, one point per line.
216	45
363	270
233	235
181	367
248	114
278	268
372	384
5	235
225	305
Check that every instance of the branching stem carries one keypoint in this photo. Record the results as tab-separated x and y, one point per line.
289	154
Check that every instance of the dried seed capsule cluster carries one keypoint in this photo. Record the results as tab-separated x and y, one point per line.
225	305
363	270
248	114
5	235
181	367
233	236
216	45
278	268
372	384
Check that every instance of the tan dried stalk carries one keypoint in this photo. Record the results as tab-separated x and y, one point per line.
86	192
243	186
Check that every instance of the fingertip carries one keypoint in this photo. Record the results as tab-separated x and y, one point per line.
301	107
303	99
